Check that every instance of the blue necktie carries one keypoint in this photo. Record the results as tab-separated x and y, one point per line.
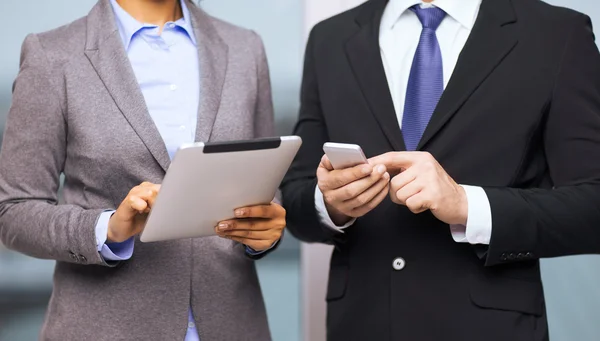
426	80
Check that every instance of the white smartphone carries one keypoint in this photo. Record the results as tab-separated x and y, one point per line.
344	155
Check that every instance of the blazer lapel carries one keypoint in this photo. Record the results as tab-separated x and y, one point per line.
365	60
493	37
105	51
212	54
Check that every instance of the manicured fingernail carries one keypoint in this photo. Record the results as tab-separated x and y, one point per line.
386	175
380	169
223	227
239	213
366	170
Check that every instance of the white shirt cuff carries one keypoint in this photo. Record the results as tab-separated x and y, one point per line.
479	219
324	215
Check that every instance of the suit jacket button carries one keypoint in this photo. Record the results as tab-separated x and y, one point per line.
503	257
82	259
512	256
73	256
399	264
521	255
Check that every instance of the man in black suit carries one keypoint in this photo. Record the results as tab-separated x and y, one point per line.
482	123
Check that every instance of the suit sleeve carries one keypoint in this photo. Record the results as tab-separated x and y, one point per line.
565	220
31	161
298	187
264	124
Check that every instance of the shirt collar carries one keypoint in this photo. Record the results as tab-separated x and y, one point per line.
463	11
129	26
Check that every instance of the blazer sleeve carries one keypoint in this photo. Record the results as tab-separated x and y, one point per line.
299	184
32	158
264	123
264	120
565	220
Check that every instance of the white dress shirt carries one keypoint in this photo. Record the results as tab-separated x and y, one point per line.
398	39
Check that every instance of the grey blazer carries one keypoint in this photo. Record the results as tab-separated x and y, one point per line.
77	110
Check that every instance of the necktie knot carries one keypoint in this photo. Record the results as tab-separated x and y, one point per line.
430	17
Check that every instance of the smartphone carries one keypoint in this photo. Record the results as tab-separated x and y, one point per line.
344	155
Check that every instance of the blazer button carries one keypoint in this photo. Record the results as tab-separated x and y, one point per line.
503	257
73	256
521	255
512	256
399	264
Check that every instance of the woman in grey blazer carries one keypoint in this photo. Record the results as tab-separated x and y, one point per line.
106	101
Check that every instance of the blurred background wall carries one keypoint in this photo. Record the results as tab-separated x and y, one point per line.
572	292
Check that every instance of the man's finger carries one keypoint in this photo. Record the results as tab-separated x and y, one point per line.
403	193
368	193
362	210
325	163
403	179
340	178
418	203
356	188
397	161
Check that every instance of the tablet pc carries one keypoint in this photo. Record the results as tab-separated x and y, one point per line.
206	182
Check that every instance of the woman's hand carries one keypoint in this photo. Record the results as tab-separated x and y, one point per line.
257	227
130	218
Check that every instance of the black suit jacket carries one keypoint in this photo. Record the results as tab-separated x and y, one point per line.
520	117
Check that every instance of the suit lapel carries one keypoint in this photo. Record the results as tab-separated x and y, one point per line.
493	37
105	51
212	54
365	60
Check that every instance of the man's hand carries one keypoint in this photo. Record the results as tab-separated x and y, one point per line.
130	218
424	185
352	192
258	227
